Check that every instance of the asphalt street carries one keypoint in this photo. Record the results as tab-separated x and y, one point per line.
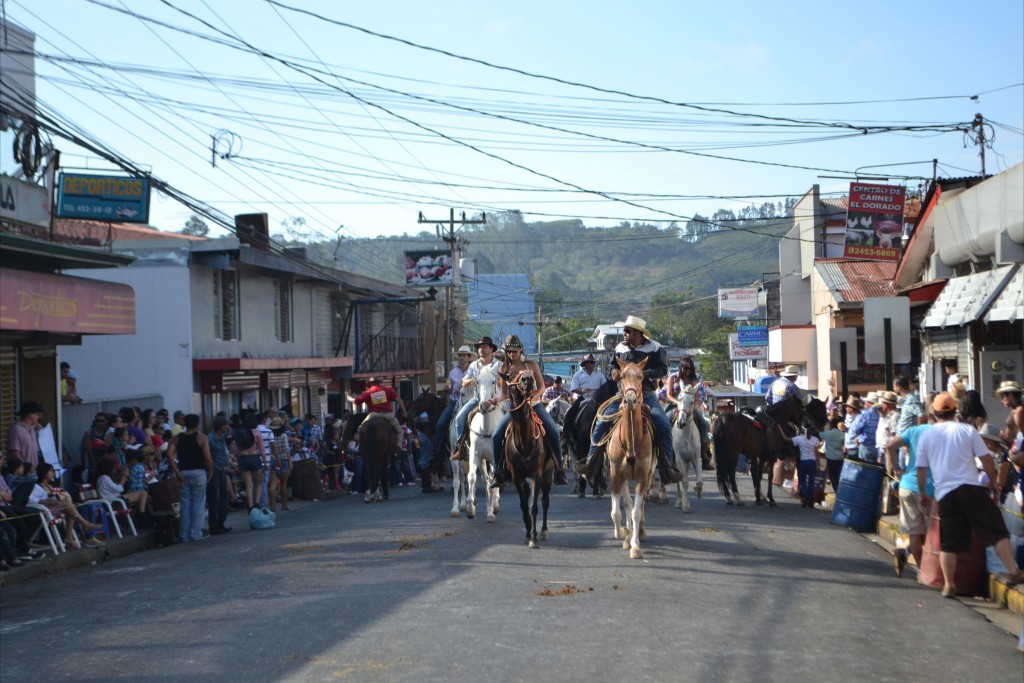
400	591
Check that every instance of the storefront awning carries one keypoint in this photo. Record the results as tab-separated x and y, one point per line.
1009	305
965	299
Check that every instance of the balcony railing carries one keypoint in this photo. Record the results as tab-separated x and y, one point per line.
380	353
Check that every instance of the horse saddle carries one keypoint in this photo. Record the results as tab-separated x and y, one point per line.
760	418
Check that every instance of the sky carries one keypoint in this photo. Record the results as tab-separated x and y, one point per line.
338	133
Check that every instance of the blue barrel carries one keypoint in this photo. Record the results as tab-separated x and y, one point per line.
859	497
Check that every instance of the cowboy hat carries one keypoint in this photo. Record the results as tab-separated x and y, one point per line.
958	391
991	432
854	402
589	358
635	323
464	349
488	341
1008	387
790	370
888	397
276	423
512	342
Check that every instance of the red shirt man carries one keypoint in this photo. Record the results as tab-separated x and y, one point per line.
378	398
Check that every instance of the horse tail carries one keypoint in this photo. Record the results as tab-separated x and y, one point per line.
725	459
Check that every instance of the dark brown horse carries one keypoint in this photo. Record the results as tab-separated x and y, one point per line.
377	442
737	433
525	455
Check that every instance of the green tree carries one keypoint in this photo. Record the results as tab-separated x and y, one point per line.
195	226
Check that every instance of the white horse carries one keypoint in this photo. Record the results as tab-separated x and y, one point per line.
460	491
558	408
481	446
686	444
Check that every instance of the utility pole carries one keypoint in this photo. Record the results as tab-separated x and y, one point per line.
976	135
448	235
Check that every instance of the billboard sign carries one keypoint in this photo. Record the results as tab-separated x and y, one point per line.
113	199
24	202
753	335
737	302
874	221
737	352
897	310
429	269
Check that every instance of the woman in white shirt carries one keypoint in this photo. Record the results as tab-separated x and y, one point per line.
108	489
58	502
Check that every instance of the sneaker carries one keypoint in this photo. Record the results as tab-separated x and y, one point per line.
899	561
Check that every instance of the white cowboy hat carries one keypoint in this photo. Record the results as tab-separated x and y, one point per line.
791	370
635	323
1009	387
464	349
991	432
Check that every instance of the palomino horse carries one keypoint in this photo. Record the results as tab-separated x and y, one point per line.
630	450
526	455
737	433
482	426
686	444
377	441
460	489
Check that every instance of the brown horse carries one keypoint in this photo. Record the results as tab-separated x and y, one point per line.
630	450
737	433
377	442
525	455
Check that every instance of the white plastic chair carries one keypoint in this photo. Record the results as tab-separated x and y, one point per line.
90	496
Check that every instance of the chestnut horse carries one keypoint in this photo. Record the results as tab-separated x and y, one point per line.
525	455
630	451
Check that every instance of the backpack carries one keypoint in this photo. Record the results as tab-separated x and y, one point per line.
245	439
262	518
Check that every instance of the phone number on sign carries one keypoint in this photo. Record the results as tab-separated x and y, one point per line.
85	208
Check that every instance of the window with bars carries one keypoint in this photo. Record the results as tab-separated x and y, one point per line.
283	309
225	304
338	312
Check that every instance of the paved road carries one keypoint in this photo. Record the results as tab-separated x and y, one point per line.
399	591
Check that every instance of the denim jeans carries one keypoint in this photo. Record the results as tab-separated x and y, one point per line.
662	426
441	431
805	471
551	435
193	503
463	417
868	453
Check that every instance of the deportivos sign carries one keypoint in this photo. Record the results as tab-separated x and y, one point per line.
114	199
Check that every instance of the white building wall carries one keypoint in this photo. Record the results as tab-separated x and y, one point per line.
794	286
157	359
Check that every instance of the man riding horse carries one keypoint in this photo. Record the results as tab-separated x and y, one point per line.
637	345
782	394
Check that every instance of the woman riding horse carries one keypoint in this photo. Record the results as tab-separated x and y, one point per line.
514	364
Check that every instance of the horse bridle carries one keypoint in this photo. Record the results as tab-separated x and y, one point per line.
518	383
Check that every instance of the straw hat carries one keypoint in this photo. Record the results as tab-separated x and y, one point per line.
888	397
871	398
464	349
635	323
276	423
1009	387
790	371
957	392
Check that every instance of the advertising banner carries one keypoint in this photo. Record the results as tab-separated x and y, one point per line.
58	303
24	202
737	352
874	221
114	199
429	269
753	335
737	303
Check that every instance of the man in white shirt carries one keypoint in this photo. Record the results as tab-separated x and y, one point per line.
949	449
587	379
485	348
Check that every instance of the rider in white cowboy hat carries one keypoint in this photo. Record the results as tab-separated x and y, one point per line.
465	355
783	390
637	345
485	348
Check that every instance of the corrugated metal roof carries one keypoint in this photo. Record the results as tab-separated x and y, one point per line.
853	281
1009	305
966	298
